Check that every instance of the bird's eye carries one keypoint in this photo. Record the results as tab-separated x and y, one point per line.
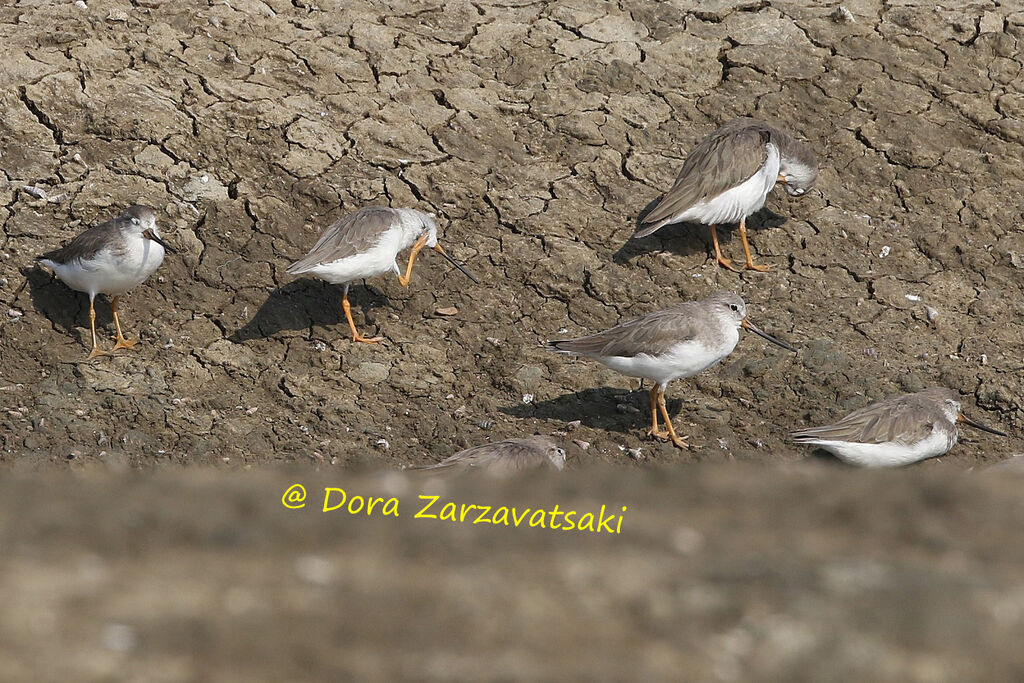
734	307
135	221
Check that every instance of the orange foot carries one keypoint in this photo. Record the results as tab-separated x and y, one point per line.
123	343
726	263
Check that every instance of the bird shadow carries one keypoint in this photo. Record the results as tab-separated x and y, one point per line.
686	238
306	303
64	307
596	407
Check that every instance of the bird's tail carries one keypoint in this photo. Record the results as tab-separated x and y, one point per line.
646	229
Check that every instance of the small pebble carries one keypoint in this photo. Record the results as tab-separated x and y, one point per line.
527	398
931	313
485	424
584	445
575	424
448	310
886	250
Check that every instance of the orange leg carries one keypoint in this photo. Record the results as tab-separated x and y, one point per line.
122	343
356	337
654	416
96	350
746	249
679	442
718	252
420	243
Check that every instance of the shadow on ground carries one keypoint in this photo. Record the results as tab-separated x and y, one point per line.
307	303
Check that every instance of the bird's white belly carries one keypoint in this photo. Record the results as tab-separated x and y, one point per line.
683	360
889	454
737	203
375	261
111	273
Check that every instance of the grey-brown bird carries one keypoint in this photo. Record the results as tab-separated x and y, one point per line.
510	455
896	431
728	176
367	243
669	344
110	258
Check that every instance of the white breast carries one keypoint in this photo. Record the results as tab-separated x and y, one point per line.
739	202
682	360
889	454
110	272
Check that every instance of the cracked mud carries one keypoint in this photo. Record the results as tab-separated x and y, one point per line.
536	131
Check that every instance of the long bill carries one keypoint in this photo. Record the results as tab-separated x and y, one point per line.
149	234
977	425
746	324
455	263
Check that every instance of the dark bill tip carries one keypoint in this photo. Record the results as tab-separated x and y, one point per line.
750	326
149	234
977	425
455	263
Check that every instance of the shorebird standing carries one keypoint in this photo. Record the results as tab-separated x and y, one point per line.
111	258
728	176
510	455
896	431
366	243
669	344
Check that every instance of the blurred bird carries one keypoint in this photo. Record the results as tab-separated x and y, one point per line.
897	431
111	258
728	176
366	243
510	455
669	344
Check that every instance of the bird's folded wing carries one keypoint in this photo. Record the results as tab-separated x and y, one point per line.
722	161
652	334
348	236
85	245
896	420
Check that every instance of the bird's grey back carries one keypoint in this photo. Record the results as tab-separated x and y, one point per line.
508	455
904	419
350	235
87	244
654	333
721	161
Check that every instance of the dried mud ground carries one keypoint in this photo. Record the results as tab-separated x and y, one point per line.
537	132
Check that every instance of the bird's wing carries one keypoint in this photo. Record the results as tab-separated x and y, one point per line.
721	161
86	244
511	454
896	420
350	235
654	334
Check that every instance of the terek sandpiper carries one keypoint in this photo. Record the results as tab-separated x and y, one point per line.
111	258
669	344
366	243
728	176
510	455
896	431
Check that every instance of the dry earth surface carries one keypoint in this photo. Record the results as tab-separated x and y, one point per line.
537	132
